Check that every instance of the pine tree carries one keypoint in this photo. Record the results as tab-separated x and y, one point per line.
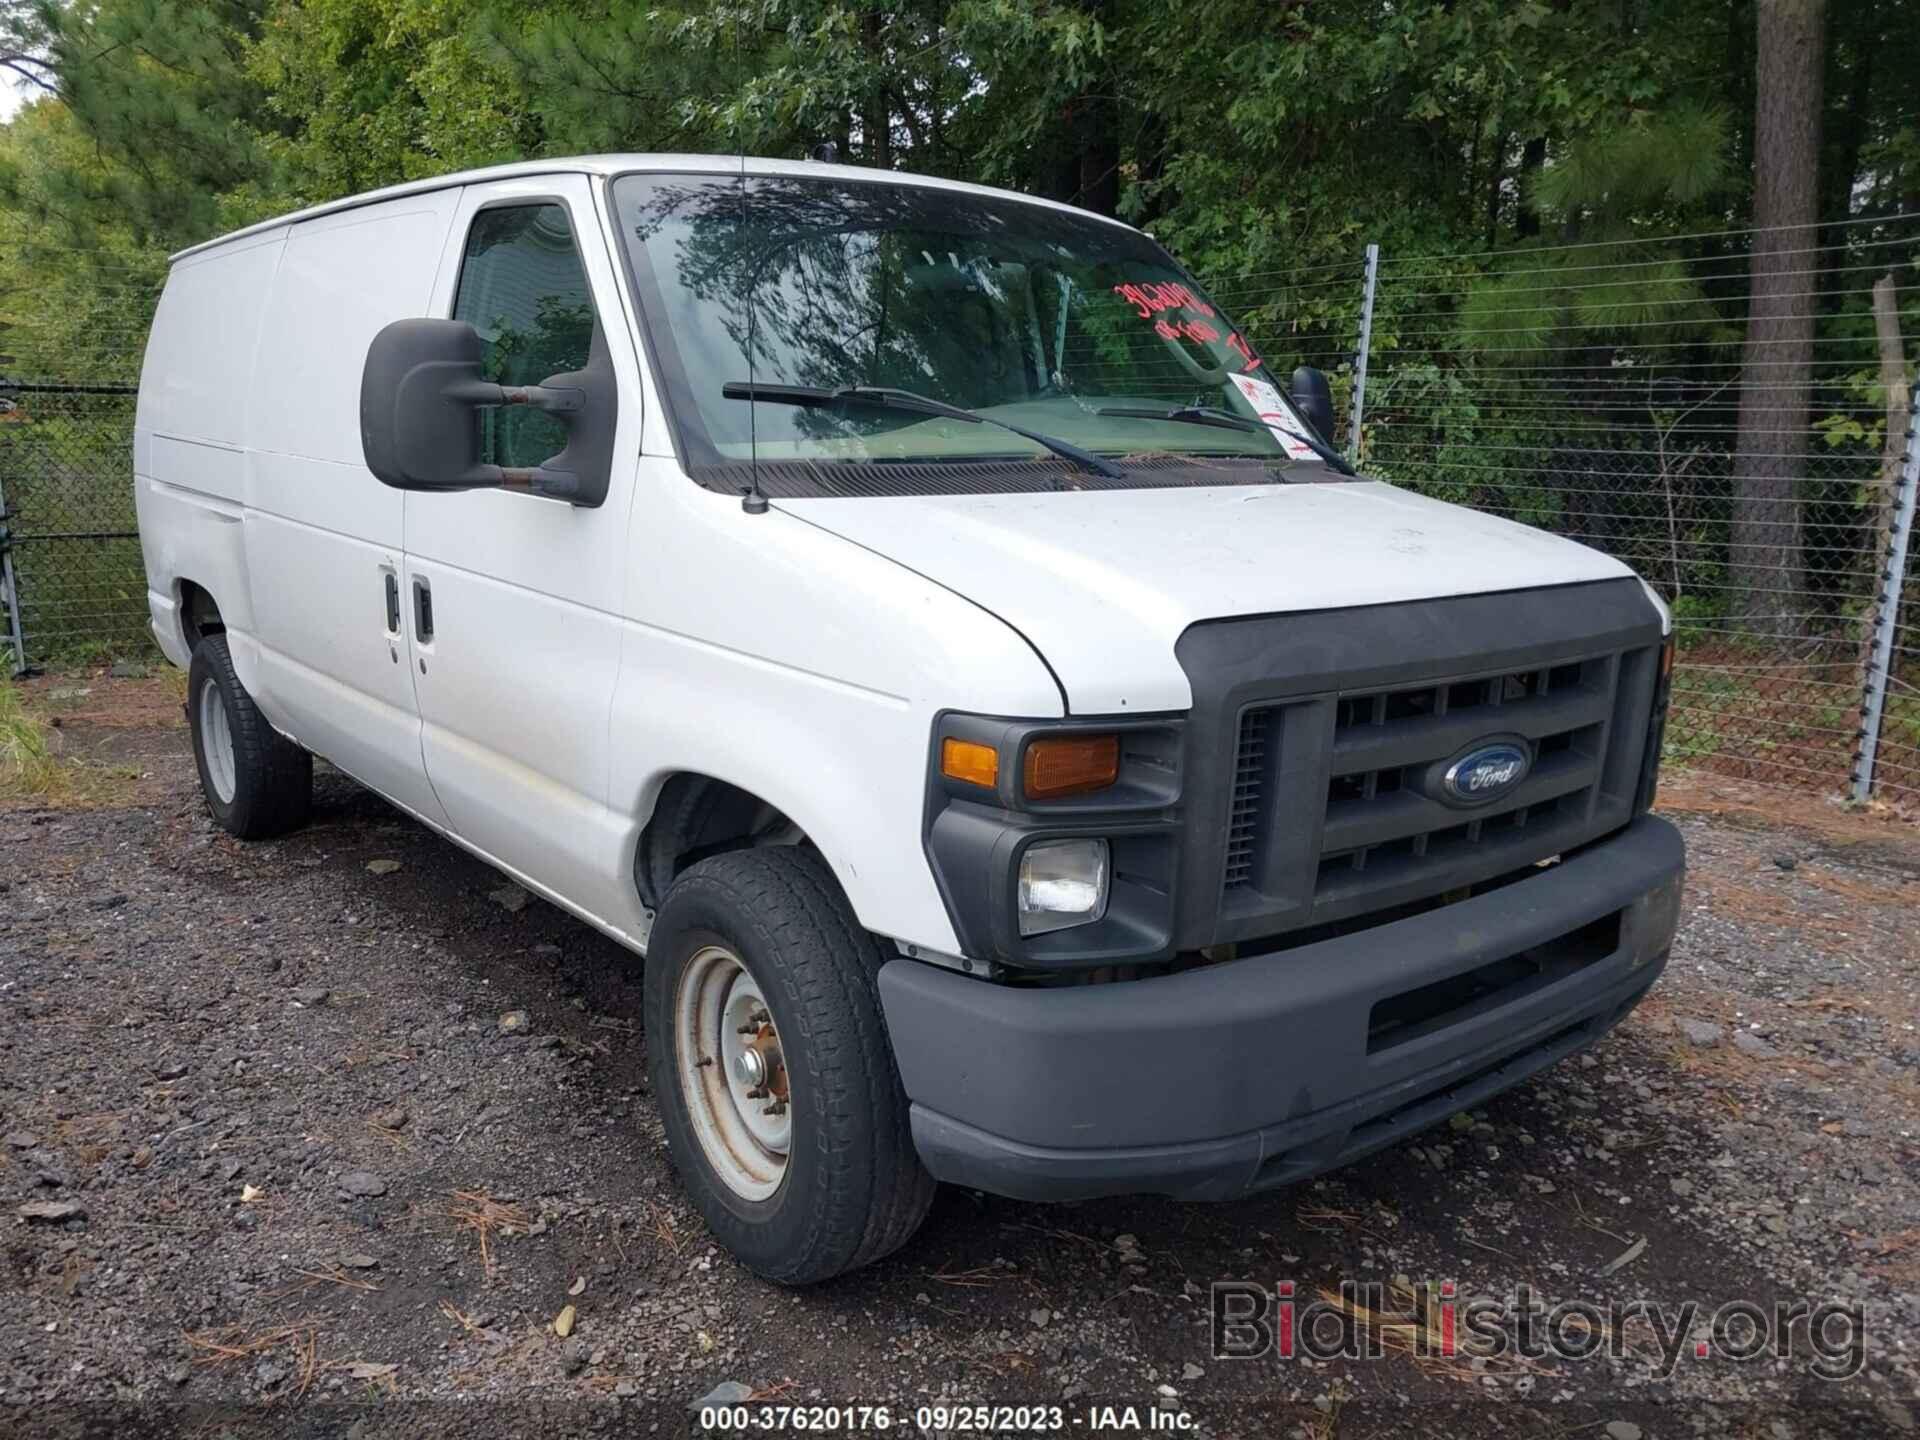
160	89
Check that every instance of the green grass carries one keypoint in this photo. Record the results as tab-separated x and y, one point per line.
28	769
33	773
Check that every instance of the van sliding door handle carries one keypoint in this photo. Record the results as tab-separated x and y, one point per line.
422	610
393	603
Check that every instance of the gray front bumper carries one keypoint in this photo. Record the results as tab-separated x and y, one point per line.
1259	1072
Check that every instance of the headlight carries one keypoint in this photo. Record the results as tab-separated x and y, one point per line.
1063	883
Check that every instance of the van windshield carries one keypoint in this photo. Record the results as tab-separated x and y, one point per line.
1058	323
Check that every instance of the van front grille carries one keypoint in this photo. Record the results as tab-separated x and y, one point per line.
1249	778
1382	808
1383	830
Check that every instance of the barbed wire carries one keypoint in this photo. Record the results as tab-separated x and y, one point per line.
1515	381
1595	389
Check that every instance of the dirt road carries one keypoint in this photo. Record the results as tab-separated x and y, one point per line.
324	1135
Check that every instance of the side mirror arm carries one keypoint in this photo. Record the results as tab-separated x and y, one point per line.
589	400
483	393
421	385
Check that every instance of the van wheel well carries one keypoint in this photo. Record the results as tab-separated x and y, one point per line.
199	616
698	816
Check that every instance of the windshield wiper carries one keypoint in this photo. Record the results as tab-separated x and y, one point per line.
1226	420
881	397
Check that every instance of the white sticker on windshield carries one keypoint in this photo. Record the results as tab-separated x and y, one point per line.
1272	410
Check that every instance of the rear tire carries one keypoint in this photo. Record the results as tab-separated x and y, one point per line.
831	1182
257	782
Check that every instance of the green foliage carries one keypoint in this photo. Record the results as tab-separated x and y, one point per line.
1257	140
67	310
364	93
160	92
1671	162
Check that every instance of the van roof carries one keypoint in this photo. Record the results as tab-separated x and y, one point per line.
620	165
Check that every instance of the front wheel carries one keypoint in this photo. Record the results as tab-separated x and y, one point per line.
776	1080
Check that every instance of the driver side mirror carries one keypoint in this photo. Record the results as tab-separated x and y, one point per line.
1313	397
420	389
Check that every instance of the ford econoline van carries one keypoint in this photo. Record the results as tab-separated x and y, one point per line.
917	620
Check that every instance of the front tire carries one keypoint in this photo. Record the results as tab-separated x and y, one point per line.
257	782
776	1080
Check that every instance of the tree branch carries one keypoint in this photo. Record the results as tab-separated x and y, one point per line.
19	65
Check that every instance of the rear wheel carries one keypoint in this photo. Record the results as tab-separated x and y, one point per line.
257	782
775	1076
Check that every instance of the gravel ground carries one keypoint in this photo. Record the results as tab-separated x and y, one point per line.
331	1134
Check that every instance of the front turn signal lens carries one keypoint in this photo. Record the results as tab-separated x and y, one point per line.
1061	765
970	761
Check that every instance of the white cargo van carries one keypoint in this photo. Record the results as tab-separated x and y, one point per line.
914	618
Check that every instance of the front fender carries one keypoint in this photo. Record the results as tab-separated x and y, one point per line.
845	764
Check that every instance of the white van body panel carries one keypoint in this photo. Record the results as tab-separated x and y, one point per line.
602	167
322	533
580	657
1104	582
809	672
516	685
190	460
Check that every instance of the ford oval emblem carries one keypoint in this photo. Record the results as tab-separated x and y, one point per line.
1486	772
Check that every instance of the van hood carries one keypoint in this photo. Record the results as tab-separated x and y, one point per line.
1103	582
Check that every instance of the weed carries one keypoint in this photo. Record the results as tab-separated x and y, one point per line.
28	768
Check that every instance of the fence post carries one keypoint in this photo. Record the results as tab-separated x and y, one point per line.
1360	360
10	588
1886	619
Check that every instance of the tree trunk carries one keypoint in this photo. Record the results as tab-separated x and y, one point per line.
1533	158
1777	373
876	123
1494	193
1085	169
1100	156
1737	85
1851	114
1150	149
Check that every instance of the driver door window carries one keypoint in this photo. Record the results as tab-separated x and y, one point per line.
522	286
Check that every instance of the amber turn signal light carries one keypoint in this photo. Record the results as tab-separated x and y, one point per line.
1062	765
970	761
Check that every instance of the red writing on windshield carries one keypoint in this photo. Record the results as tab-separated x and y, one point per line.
1199	331
1239	347
1150	297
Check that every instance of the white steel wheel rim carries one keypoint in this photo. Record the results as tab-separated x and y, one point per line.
216	742
732	1073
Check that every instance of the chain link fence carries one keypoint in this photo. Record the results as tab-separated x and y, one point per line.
1603	389
1606	390
74	583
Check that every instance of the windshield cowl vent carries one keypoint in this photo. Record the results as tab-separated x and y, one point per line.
804	480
